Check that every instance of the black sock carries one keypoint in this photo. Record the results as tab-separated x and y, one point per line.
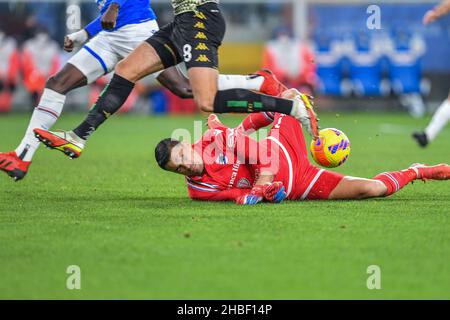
110	100
246	101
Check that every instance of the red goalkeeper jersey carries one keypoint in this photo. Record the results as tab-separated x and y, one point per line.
232	163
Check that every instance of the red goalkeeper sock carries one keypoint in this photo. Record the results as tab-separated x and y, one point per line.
255	121
396	180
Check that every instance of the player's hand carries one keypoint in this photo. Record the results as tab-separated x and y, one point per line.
256	195
249	199
109	18
274	192
68	44
75	39
430	16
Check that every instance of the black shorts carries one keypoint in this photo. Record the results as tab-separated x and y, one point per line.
193	37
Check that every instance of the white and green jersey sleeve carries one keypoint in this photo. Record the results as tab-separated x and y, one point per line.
182	6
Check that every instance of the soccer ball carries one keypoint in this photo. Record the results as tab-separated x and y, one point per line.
331	149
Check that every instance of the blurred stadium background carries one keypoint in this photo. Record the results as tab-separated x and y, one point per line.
131	227
319	46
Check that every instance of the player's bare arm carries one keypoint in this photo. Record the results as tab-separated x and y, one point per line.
109	18
436	13
107	21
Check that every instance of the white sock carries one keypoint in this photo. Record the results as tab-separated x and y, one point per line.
440	119
248	82
44	117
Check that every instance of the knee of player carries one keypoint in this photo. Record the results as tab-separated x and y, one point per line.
55	83
184	94
126	69
122	68
180	91
205	105
206	108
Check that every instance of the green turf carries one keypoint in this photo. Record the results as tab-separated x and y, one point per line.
135	234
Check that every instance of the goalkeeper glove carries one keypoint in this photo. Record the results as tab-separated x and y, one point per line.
274	192
255	196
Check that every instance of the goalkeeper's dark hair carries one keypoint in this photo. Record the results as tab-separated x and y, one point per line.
163	150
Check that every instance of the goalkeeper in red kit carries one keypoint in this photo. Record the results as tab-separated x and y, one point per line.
228	165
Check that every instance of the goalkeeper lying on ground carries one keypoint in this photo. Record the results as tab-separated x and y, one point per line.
226	164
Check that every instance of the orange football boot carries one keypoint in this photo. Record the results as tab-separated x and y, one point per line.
437	172
62	141
13	166
271	85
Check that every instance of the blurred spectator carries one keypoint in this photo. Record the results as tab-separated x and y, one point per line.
366	67
330	65
9	70
291	60
405	70
40	60
152	98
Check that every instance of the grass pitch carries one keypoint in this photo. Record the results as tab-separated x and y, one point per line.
134	233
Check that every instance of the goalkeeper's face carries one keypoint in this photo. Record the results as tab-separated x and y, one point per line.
185	160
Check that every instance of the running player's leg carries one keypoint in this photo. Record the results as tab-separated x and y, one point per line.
255	121
209	99
176	82
162	51
204	86
197	37
141	62
95	59
50	107
157	53
437	124
262	81
84	67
